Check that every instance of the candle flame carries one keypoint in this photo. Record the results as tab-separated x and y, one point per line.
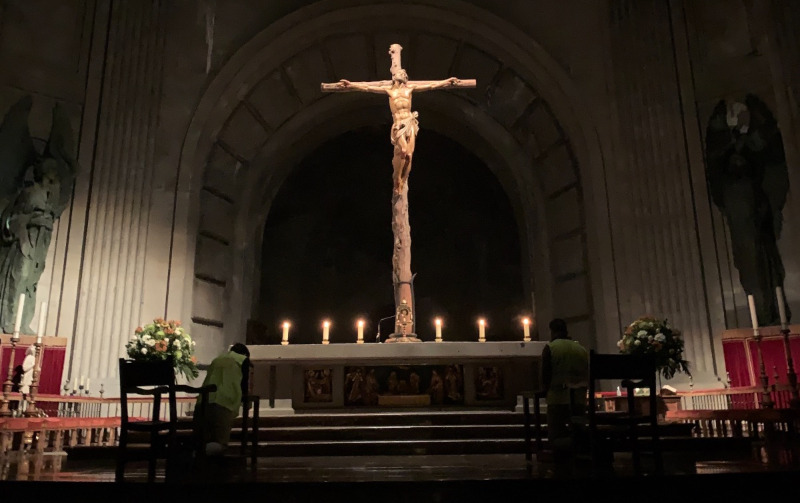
526	321
286	324
326	323
360	323
438	322
482	322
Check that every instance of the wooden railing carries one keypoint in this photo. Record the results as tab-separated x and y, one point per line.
735	398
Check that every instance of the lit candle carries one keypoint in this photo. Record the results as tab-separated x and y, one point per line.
753	315
481	330
360	332
286	326
87	383
326	325
526	330
42	321
20	308
781	308
438	322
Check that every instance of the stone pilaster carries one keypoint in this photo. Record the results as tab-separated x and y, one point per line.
112	283
652	203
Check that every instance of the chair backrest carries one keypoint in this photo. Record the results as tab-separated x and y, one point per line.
633	371
138	374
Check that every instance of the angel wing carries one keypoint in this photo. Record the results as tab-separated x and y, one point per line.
60	146
767	147
16	150
719	140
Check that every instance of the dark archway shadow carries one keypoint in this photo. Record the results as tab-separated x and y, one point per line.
328	242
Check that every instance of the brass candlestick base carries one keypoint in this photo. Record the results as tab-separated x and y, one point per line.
791	376
5	405
766	397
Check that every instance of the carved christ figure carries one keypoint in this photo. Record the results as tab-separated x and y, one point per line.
405	123
405	126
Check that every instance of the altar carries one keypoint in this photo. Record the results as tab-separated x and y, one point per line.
374	375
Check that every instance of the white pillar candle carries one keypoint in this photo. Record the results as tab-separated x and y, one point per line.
286	326
326	325
360	339
42	322
781	308
753	316
481	330
526	330
20	309
438	323
83	379
87	383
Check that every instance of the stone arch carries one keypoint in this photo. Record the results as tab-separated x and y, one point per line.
523	120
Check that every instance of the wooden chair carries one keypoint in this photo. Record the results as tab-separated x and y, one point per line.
154	379
620	430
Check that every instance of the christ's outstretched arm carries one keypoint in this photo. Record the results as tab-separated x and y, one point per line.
428	86
363	86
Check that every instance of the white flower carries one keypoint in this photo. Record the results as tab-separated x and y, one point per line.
637	342
660	337
176	343
641	333
620	343
150	342
144	351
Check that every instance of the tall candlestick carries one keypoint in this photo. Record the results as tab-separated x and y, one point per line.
83	379
481	330
326	325
360	339
286	326
781	308
438	323
526	330
20	310
753	315
42	321
88	379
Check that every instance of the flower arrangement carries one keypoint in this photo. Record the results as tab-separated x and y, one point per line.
649	335
161	340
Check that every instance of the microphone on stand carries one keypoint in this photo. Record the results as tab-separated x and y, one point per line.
378	336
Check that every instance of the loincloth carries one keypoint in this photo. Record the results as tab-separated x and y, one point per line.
405	127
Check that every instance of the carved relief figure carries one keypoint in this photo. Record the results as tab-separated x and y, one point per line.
436	388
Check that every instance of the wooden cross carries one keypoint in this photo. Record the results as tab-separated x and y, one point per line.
403	136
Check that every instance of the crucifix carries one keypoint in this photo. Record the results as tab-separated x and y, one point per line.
403	137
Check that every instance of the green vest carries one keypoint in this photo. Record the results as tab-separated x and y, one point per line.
226	372
570	370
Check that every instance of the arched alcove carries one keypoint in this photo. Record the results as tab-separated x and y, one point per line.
264	113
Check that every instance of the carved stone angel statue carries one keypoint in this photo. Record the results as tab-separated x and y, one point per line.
749	180
35	188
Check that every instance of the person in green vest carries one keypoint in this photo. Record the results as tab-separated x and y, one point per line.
565	375
230	372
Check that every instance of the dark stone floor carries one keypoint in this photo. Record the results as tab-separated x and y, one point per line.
384	479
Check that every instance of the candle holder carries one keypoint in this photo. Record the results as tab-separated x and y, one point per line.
791	376
102	390
766	398
66	387
32	410
5	405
